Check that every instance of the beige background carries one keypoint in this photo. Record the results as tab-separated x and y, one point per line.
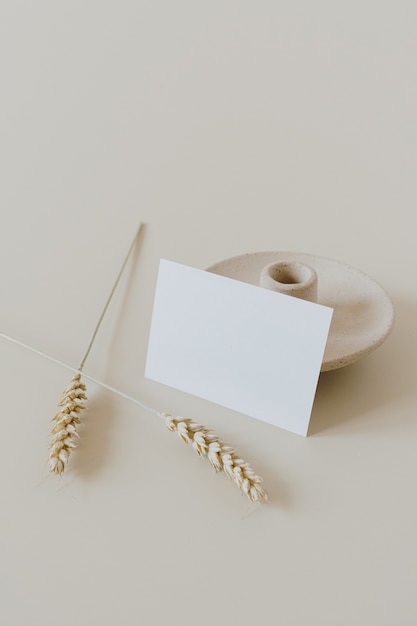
228	127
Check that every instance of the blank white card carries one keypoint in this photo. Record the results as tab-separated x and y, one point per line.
244	347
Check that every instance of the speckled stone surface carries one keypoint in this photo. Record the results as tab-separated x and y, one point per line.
292	279
363	312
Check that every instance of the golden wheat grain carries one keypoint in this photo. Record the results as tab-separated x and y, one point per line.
220	455
66	421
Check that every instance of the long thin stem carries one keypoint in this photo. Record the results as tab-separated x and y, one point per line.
73	369
90	345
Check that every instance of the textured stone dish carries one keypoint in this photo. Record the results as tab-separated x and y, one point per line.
363	312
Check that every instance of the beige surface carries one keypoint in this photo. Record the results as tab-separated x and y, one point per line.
229	127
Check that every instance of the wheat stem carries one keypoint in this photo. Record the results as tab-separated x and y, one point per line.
75	370
113	289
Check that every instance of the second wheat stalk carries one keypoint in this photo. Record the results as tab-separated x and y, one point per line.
221	456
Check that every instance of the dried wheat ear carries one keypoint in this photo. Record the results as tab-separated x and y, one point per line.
220	455
66	421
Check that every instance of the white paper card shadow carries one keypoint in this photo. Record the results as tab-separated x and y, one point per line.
246	348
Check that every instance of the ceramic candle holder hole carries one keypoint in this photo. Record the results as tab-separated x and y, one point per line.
292	278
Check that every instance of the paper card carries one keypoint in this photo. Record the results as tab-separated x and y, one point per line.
244	347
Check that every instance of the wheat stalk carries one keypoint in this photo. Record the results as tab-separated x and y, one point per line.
220	455
66	421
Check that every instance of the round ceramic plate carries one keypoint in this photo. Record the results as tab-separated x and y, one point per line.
363	312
